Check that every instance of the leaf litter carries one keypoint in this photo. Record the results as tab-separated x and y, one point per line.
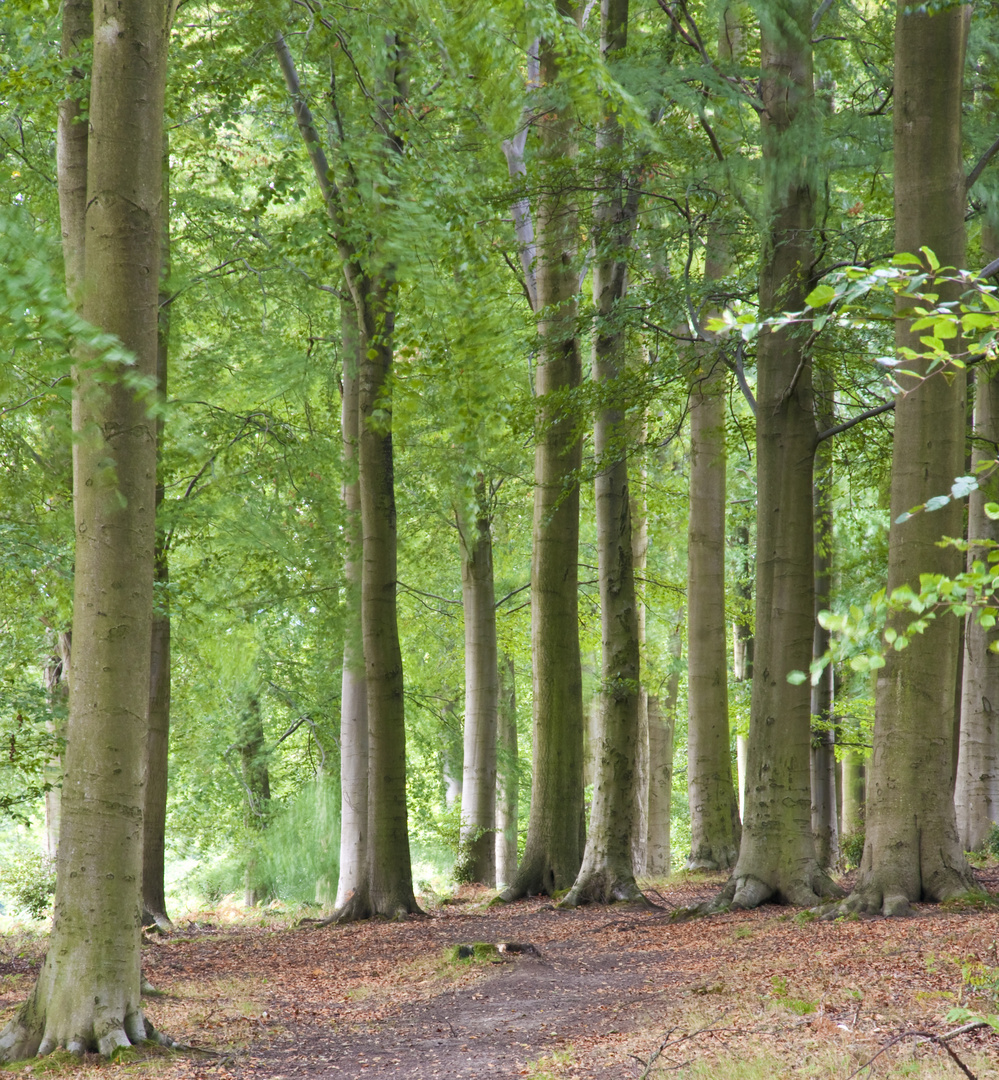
596	992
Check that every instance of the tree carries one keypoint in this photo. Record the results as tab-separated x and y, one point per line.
777	854
912	851
477	852
607	871
370	279
553	851
87	994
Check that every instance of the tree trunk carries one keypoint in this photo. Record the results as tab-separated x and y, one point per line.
391	874
87	994
607	873
852	813
662	725
553	851
743	644
714	808
57	676
777	856
154	910
507	777
256	795
642	835
912	849
976	793
823	756
353	885
477	850
714	818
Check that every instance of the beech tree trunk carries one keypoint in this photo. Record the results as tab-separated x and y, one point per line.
87	993
645	763
353	876
823	756
154	910
607	872
477	851
714	807
912	849
976	792
662	725
507	777
777	855
57	676
553	851
256	794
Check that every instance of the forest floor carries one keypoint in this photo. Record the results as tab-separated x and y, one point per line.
599	993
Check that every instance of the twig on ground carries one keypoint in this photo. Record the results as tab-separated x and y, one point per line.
927	1036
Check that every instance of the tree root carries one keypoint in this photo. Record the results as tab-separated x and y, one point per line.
601	888
29	1035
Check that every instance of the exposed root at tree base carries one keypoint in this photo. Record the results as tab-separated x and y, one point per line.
30	1035
602	888
746	892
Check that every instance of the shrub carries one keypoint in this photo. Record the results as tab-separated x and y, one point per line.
28	880
851	849
990	845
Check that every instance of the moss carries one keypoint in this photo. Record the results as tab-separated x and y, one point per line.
480	951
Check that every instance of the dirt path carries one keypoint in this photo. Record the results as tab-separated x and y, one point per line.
596	997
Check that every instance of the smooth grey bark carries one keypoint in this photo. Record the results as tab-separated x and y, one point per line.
714	806
57	675
552	853
912	850
777	854
154	810
507	776
852	785
607	872
87	996
714	811
662	725
353	874
823	754
976	790
477	848
742	646
643	832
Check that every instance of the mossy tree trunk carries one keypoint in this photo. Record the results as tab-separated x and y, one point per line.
87	996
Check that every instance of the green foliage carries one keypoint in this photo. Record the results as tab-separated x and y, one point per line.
990	845
851	849
782	995
27	879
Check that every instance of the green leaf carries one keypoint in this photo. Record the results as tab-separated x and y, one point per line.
796	678
820	296
930	258
963	486
991	511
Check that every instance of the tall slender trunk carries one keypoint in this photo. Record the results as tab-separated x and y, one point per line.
912	850
57	676
553	851
662	726
976	792
714	810
777	855
647	760
607	872
256	795
507	777
87	993
353	878
823	756
158	734
743	645
477	854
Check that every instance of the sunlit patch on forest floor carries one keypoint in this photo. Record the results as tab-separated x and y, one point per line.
616	993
